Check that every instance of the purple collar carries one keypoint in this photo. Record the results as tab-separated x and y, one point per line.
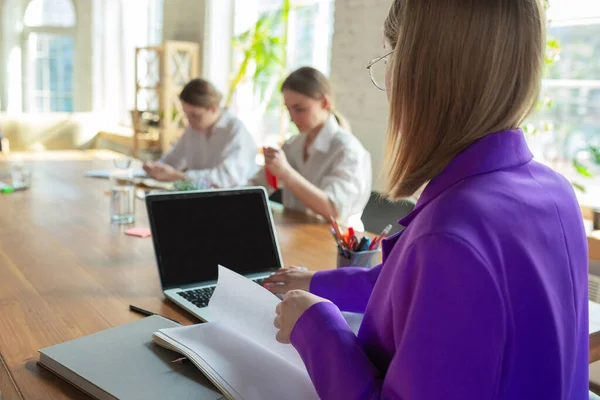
492	152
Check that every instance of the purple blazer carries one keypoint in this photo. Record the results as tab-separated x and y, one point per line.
482	296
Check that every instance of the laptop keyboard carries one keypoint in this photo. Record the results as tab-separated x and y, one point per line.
200	297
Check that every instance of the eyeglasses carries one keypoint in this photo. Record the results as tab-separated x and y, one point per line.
377	71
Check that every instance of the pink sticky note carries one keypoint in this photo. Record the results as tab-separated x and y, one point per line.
141	232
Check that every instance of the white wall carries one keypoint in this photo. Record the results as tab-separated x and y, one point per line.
83	54
357	39
208	23
216	60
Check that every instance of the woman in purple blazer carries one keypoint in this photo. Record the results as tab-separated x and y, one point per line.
484	294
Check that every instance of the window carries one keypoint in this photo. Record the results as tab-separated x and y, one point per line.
311	32
309	44
52	60
48	37
50	13
572	88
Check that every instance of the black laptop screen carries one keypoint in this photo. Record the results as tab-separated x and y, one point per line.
195	232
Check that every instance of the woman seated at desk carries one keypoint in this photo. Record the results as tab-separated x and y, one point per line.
215	147
325	168
484	293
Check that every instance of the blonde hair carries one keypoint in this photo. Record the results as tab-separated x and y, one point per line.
312	83
459	71
200	93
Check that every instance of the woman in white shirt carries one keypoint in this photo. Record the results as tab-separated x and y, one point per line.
324	169
215	147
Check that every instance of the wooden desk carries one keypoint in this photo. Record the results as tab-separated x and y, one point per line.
66	272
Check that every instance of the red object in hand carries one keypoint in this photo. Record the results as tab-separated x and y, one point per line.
271	179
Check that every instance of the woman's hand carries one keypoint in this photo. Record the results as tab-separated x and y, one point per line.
287	279
294	304
276	162
162	172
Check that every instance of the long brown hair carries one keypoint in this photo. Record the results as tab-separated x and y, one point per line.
460	69
312	83
200	93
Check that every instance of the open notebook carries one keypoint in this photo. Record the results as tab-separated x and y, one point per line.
238	351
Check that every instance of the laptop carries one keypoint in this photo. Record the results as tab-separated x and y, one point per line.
196	231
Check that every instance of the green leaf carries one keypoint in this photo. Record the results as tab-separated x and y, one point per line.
581	169
595	152
579	187
547	127
553	44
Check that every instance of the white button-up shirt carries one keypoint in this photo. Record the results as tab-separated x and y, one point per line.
338	164
226	157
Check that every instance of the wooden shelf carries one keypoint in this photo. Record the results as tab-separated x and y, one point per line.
161	72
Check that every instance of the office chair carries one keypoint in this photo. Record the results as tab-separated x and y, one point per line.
380	212
277	196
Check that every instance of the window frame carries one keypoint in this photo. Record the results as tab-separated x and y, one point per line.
27	68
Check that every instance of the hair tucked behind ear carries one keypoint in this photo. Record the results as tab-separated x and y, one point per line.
312	83
460	69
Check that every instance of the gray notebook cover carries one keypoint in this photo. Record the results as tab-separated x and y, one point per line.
123	363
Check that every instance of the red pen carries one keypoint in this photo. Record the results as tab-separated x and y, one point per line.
373	242
351	232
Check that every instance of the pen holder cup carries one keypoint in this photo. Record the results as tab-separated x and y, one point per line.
349	258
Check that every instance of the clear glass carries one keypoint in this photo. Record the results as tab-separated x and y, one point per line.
21	176
122	192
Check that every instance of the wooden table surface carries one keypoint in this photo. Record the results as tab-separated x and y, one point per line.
66	272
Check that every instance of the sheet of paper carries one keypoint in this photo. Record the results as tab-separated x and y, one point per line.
243	364
249	309
154	184
105	173
353	319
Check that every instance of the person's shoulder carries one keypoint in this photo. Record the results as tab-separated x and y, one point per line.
231	123
187	134
549	178
344	140
499	200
